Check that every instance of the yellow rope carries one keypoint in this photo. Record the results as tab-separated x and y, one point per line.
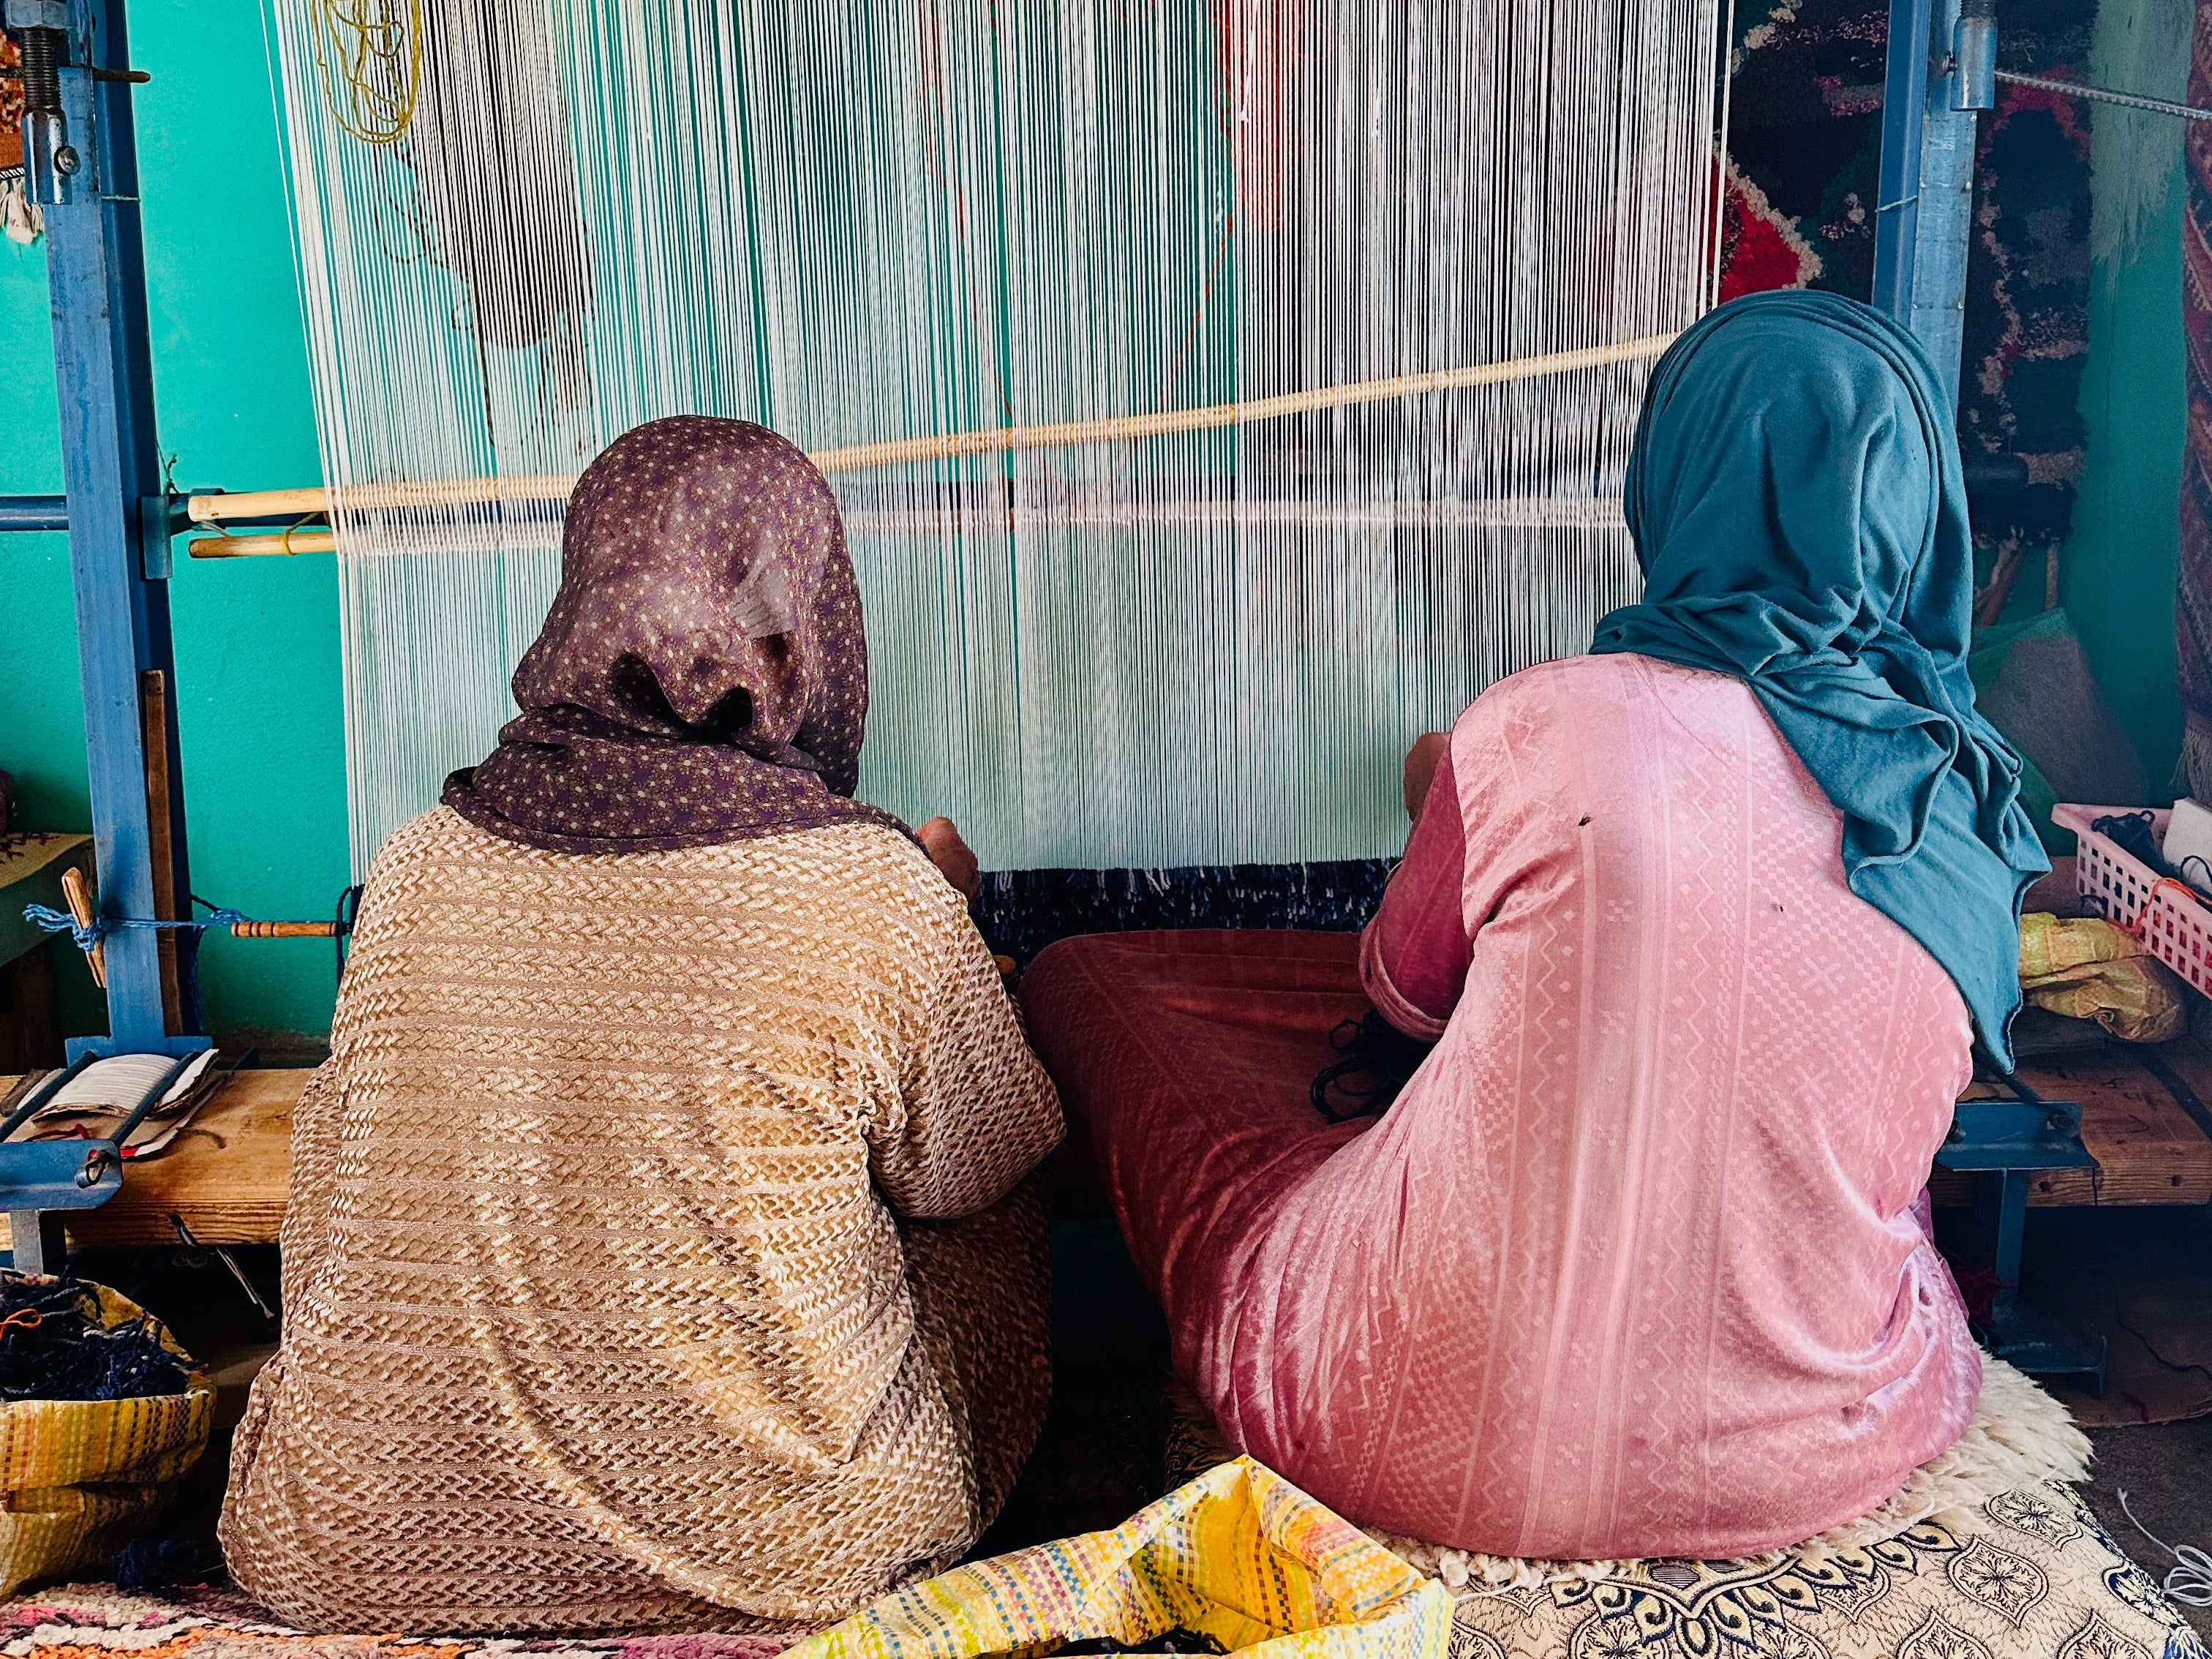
290	528
359	46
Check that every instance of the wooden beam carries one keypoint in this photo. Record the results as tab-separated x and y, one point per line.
154	724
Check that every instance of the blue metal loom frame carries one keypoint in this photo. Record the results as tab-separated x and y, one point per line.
1923	221
118	512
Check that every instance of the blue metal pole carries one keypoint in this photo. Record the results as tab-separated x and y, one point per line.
34	512
1903	103
118	512
1925	221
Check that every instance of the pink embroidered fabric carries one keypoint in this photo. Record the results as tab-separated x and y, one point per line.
1633	1267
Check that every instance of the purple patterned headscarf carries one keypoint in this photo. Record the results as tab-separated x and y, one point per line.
702	676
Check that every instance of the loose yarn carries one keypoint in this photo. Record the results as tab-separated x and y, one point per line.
88	936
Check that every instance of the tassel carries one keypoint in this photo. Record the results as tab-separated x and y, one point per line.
23	222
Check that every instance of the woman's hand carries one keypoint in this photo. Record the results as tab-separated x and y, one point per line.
940	839
1421	770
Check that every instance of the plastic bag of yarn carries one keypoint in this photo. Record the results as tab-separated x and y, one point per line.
1237	1561
2087	969
81	1476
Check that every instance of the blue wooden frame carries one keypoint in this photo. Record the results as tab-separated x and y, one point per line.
118	512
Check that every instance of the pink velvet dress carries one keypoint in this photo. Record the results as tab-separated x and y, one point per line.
1632	1267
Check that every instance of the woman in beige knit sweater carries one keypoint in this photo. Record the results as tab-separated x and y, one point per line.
658	1256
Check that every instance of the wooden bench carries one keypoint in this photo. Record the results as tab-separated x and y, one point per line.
228	1173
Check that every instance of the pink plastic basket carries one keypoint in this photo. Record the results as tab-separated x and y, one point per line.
2173	923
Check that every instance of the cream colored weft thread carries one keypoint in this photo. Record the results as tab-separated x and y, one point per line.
866	224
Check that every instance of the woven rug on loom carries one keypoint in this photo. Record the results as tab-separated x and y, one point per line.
2192	613
1020	912
1986	1552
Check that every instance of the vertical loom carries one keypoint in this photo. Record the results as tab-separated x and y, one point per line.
512	393
878	228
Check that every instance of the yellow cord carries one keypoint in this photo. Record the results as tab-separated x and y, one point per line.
285	547
359	46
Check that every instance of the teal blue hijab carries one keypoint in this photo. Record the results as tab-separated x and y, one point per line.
1797	504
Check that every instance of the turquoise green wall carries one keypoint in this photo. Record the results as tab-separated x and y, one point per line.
2120	562
257	640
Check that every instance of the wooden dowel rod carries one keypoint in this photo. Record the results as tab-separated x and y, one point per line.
283	930
853	458
368	497
1121	428
247	546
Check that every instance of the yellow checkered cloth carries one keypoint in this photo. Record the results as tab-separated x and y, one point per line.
1239	1554
79	1477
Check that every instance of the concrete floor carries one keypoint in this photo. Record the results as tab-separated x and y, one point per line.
2166	1469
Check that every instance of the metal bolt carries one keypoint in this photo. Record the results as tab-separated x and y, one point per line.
65	160
43	51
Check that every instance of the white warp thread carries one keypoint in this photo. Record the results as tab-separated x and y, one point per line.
884	219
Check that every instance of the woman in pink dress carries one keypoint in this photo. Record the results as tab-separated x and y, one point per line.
1701	926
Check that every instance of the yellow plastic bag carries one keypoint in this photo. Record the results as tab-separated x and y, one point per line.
2086	968
1239	1554
79	1477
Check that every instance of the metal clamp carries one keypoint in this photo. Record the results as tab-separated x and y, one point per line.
1973	64
39	1180
51	161
2001	1143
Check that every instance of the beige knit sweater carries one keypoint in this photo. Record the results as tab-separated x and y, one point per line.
655	1257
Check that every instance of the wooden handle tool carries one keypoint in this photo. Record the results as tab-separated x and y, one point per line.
79	899
283	930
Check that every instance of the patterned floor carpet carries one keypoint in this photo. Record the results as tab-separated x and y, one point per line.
2035	1577
76	1621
